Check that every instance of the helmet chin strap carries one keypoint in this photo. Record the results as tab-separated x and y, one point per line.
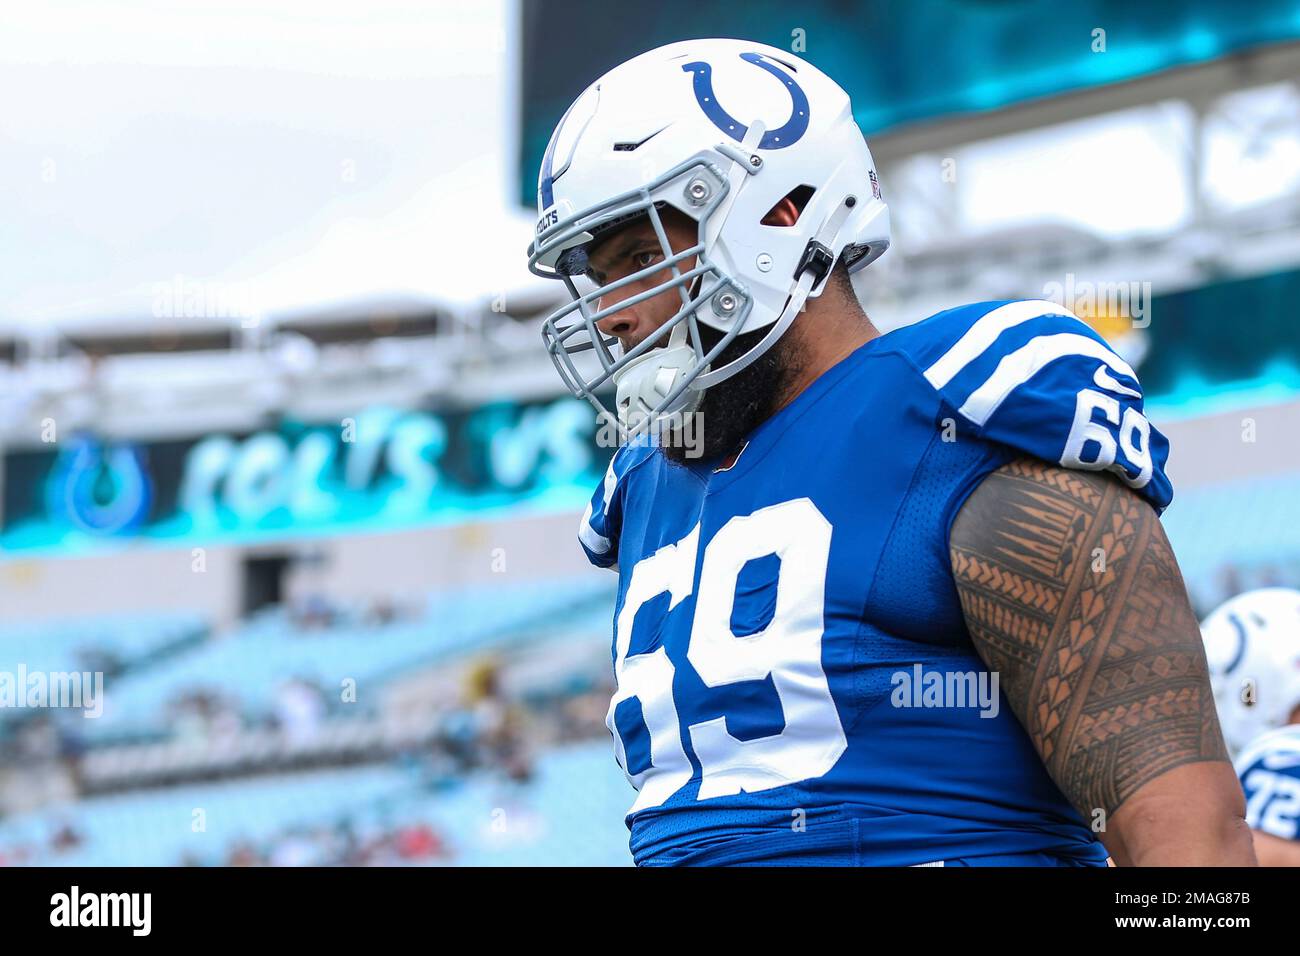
736	173
799	293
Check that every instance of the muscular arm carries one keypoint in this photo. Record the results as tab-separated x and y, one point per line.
1072	595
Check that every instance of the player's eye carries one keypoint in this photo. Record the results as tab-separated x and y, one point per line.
643	259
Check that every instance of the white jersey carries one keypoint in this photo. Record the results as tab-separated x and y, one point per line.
1269	769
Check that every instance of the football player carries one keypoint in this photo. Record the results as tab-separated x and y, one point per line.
901	599
1252	643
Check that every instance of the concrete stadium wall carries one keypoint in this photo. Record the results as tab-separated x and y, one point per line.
402	565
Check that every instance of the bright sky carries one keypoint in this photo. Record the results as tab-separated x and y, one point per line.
316	151
352	150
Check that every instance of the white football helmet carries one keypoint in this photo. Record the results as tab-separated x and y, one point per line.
720	130
1252	645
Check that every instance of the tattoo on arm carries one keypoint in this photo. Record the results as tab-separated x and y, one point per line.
1072	595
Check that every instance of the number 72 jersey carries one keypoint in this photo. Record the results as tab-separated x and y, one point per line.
795	681
1269	769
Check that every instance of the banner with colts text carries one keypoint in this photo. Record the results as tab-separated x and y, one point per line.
382	468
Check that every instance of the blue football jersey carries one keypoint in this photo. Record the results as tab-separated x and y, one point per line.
1269	769
795	680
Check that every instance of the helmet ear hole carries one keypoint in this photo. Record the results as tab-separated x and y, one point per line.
789	207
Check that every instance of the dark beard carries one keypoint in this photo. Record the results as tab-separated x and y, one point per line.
731	410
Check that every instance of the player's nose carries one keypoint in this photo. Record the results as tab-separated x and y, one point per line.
624	324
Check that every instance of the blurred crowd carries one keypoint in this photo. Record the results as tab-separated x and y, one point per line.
343	843
316	612
483	730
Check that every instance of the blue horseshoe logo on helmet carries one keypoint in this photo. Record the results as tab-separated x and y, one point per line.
784	136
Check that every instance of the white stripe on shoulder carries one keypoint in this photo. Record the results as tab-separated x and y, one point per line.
984	333
611	480
1024	363
595	542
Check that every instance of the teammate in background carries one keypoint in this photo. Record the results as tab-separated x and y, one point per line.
1253	645
908	602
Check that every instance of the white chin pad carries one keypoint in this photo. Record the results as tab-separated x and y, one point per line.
644	385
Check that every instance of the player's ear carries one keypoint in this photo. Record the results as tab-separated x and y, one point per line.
784	213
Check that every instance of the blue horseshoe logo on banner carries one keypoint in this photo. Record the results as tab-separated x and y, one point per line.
102	490
787	135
